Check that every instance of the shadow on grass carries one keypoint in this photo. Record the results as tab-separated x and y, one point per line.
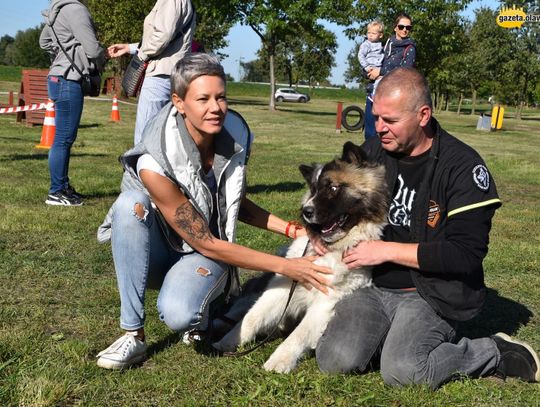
201	347
284	108
89	125
308	112
467	112
478	112
163	344
101	195
43	156
25	139
499	314
247	102
21	157
279	187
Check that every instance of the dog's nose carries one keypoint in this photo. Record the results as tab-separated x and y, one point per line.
308	211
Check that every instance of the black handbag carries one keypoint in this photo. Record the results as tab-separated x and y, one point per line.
90	83
134	76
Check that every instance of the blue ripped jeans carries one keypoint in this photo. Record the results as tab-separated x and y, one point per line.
143	259
415	345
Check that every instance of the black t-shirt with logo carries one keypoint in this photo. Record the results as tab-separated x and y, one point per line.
411	172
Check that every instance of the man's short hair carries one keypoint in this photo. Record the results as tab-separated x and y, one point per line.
409	82
190	67
376	23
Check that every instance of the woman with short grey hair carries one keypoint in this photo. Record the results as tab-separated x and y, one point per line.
174	225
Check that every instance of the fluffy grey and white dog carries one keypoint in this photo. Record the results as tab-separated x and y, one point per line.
346	204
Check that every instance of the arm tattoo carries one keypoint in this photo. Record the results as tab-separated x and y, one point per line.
191	222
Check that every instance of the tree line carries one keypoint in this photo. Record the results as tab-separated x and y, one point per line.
462	59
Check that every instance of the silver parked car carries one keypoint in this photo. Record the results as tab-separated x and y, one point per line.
290	95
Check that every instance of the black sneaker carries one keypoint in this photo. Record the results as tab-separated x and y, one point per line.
518	359
71	191
63	198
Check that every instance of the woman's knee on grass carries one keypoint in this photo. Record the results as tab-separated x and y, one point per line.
177	313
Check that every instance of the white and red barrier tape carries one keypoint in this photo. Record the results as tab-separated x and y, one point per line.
17	109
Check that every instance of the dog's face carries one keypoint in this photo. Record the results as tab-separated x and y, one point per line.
343	193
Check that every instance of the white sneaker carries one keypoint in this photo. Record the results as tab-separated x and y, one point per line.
124	352
192	336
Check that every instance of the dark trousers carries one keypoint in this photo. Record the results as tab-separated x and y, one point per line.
369	120
415	345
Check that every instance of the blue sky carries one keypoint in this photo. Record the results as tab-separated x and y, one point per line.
243	42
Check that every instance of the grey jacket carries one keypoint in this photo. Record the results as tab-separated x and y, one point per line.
370	54
167	140
167	35
75	29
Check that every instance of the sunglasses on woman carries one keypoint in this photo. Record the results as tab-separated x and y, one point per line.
404	27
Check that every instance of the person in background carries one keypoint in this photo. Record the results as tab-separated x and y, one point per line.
173	226
167	35
427	269
399	51
76	33
370	56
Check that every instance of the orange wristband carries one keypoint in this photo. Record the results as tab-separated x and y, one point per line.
296	225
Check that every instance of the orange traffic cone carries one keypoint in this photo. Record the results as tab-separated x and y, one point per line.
115	113
49	127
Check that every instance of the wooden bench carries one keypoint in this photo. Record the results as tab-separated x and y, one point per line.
33	90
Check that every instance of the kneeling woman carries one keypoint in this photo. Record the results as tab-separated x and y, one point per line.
174	224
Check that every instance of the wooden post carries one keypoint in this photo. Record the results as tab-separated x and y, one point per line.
10	98
338	116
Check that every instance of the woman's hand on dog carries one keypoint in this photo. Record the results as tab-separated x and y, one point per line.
318	244
307	273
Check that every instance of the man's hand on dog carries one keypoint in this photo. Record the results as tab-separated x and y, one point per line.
364	254
374	252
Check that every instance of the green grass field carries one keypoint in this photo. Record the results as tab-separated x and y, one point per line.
59	304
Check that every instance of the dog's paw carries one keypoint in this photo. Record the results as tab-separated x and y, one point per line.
280	363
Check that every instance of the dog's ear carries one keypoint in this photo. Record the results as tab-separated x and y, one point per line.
354	154
307	172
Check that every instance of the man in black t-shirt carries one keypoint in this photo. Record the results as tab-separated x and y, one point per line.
427	269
